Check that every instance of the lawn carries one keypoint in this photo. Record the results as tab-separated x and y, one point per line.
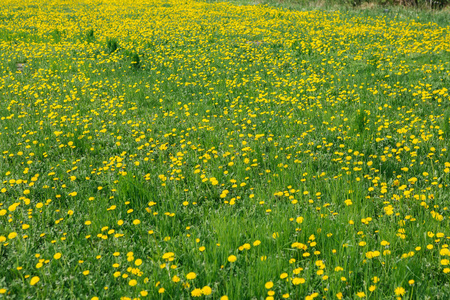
163	149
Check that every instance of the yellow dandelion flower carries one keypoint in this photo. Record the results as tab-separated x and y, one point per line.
196	292
34	280
232	258
399	291
206	290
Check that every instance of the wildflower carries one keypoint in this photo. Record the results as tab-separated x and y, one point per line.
232	258
34	280
132	282
206	290
191	276
168	255
297	281
399	291
196	292
143	293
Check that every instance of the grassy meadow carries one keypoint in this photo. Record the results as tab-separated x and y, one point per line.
163	149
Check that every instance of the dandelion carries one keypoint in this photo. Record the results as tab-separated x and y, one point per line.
206	290
34	280
143	293
232	258
196	292
191	276
399	291
361	294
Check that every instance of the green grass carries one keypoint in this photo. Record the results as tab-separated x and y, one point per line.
142	143
366	9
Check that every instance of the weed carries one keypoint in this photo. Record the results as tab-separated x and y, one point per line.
112	45
90	37
135	61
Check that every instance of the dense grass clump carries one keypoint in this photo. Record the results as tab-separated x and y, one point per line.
185	149
112	45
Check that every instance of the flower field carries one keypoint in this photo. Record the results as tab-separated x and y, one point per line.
162	149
